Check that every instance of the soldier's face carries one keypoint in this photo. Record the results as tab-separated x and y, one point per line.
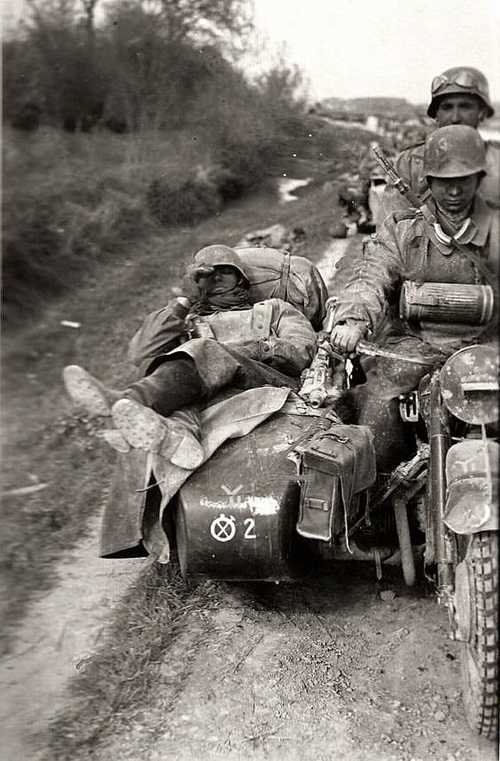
454	194
223	279
459	109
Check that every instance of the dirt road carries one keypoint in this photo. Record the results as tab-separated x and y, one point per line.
313	672
61	630
325	669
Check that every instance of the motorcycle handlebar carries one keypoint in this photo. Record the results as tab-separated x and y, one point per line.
373	350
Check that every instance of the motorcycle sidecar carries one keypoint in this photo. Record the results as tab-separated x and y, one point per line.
235	517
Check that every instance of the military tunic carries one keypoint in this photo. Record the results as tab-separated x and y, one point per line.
282	338
407	248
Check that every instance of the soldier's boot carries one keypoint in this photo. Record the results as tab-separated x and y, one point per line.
392	439
173	437
96	400
88	393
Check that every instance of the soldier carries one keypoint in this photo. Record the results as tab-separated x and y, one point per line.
410	248
188	353
458	96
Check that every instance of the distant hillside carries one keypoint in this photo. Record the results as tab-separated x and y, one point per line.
398	108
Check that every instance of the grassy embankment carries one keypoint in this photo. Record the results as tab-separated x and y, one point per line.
74	205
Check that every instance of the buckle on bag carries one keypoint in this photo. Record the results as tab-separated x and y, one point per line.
312	503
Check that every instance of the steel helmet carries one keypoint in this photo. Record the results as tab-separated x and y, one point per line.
461	79
454	151
219	255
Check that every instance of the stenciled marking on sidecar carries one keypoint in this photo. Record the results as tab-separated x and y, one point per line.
254	505
231	492
224	528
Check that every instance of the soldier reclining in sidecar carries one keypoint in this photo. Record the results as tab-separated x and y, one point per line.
220	339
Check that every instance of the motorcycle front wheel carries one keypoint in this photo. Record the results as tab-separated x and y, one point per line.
479	657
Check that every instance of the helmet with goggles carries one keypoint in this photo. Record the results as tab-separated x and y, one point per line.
460	80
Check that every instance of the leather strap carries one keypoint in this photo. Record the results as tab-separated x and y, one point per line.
262	318
285	273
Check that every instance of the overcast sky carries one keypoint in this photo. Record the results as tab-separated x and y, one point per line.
352	48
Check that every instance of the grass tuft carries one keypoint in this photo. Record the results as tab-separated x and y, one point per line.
117	680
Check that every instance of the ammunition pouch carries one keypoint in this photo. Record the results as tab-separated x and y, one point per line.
335	466
472	486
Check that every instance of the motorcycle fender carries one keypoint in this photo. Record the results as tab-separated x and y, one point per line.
472	494
466	516
470	507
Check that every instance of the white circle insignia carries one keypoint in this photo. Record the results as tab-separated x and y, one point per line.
223	528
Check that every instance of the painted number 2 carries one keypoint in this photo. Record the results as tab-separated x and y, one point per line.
249	529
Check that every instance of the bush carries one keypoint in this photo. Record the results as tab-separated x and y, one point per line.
59	216
103	229
48	244
34	266
244	161
173	201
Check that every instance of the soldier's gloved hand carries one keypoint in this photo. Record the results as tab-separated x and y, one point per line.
345	336
321	337
196	279
202	271
180	306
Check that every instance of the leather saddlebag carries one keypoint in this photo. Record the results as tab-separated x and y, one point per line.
335	465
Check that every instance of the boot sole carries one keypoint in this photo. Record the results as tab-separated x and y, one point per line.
139	425
144	429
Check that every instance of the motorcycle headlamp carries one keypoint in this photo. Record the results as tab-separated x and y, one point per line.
469	384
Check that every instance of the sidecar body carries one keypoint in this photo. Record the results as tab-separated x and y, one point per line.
235	518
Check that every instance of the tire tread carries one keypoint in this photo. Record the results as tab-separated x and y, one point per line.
482	713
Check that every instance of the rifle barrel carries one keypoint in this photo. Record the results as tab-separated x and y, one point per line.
400	184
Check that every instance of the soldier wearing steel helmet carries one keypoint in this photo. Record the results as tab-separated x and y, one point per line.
459	95
190	351
456	242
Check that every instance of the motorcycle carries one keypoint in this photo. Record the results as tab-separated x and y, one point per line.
308	487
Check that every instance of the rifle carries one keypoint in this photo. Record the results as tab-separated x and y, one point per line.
402	186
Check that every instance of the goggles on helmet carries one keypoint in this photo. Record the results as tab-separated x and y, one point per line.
469	80
466	79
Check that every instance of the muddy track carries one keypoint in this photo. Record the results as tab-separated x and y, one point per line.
62	629
318	670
